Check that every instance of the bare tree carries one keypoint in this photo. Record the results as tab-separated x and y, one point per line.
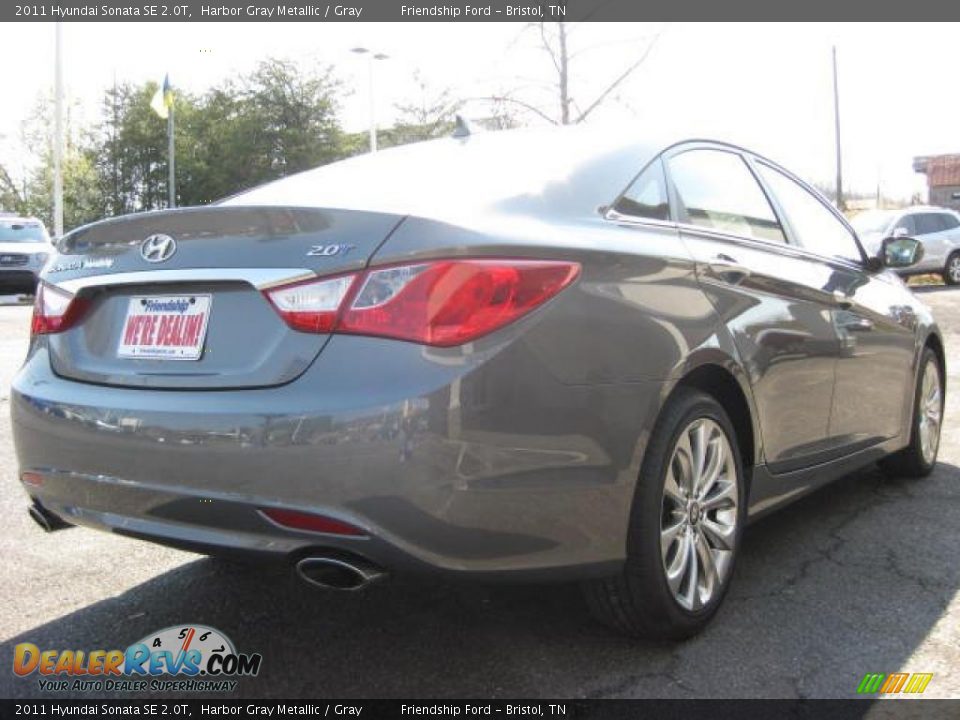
554	39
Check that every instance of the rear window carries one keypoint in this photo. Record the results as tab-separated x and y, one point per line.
872	221
27	232
716	190
949	221
928	223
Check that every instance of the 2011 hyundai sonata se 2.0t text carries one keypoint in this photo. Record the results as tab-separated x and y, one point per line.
533	355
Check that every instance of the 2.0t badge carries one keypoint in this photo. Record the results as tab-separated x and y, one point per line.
158	248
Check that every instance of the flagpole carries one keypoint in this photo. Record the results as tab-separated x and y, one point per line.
171	181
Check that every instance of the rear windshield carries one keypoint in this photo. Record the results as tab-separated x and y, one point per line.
871	221
27	232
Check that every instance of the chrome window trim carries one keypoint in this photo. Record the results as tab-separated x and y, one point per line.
613	216
790	250
260	278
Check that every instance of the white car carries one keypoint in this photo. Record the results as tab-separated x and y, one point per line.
25	247
937	229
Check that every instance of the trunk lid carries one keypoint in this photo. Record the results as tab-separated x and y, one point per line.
218	263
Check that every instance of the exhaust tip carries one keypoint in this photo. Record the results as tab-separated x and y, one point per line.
330	573
46	519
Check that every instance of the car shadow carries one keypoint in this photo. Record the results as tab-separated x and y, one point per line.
848	580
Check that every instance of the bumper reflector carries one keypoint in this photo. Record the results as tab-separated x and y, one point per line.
312	523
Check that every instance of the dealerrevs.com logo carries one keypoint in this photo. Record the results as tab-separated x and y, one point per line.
181	658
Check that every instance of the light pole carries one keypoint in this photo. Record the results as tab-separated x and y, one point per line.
841	203
58	133
371	56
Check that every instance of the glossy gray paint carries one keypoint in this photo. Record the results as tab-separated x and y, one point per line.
517	454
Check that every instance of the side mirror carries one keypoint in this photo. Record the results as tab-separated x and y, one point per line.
900	251
900	232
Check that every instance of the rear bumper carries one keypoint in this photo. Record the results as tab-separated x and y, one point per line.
19	280
448	460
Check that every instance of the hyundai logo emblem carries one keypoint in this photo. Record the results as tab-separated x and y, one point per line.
158	248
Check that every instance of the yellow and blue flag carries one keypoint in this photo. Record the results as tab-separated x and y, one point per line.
163	99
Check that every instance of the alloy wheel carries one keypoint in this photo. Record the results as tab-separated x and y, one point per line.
954	268
699	514
931	412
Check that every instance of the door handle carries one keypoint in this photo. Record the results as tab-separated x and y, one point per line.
842	300
858	324
727	268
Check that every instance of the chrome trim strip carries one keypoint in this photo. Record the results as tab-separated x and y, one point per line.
260	278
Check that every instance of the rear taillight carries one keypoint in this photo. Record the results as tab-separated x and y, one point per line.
55	310
311	306
441	303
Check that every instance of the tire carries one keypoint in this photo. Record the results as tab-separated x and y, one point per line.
918	459
951	271
640	601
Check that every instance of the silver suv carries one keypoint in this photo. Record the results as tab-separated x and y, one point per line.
937	229
25	247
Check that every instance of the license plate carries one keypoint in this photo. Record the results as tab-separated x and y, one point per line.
165	327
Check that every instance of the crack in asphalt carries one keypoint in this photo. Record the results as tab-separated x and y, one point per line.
632	680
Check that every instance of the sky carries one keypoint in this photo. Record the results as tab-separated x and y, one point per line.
765	85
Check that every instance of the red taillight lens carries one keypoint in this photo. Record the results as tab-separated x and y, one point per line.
55	310
310	522
453	301
32	478
441	303
311	306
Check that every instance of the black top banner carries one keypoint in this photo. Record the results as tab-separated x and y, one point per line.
457	709
476	11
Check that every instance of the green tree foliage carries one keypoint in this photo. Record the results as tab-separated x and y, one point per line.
82	201
279	119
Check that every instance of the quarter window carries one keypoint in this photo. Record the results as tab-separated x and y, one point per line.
716	189
647	195
815	225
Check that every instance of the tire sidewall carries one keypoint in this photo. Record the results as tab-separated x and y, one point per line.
644	556
947	277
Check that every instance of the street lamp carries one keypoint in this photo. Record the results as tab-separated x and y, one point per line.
372	56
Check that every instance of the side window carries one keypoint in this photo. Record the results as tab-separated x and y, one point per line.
716	190
647	195
818	229
928	223
906	224
949	221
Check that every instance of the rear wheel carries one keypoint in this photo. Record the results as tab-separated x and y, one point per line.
685	526
920	456
951	272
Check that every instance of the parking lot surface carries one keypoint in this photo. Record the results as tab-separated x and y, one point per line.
859	577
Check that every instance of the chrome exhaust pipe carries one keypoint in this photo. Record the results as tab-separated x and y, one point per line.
46	519
334	573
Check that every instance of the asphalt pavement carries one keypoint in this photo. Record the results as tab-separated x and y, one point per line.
859	577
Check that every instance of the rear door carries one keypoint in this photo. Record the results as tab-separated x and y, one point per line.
774	300
877	338
176	299
931	230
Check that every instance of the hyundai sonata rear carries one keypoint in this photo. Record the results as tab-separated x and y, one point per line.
507	356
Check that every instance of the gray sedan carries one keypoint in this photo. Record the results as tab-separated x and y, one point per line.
529	355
